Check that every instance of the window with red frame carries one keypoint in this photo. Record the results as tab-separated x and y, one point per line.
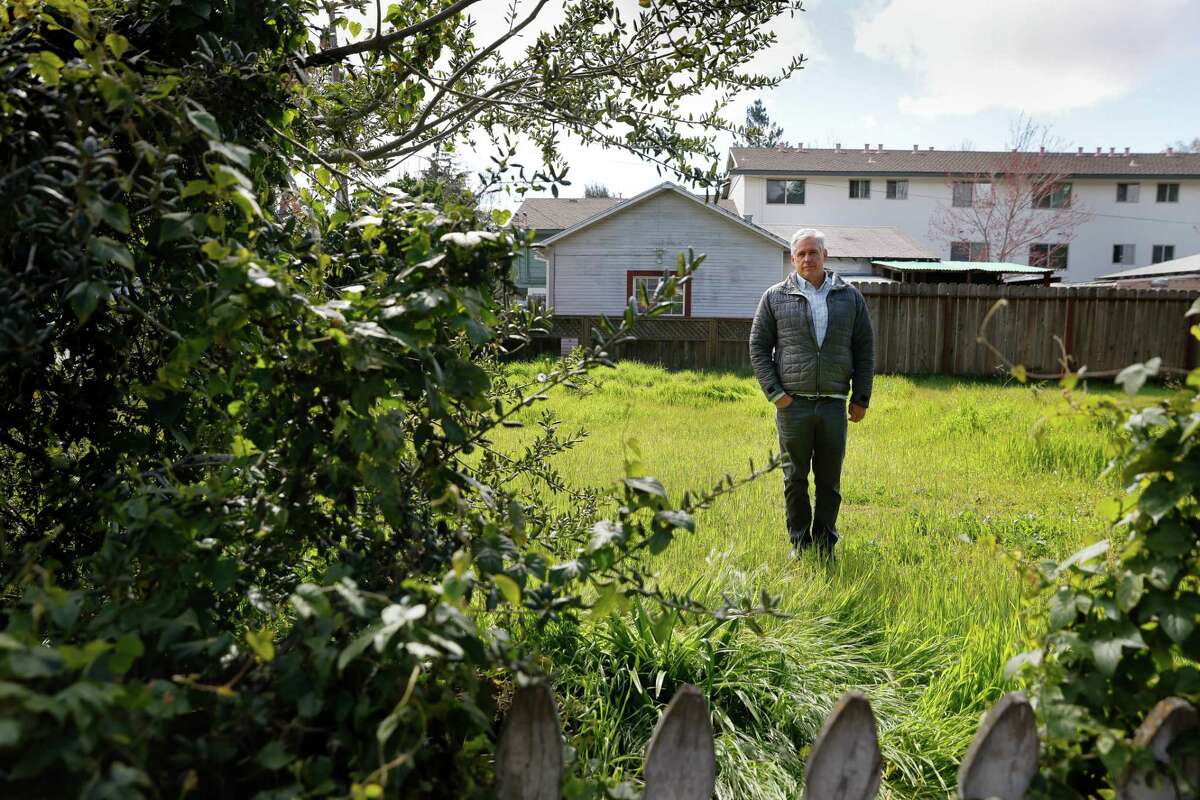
636	280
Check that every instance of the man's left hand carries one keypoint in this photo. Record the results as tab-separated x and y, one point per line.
857	412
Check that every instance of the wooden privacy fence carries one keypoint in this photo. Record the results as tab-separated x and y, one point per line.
933	328
844	763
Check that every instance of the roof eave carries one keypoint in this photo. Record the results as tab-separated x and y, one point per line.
962	173
1117	277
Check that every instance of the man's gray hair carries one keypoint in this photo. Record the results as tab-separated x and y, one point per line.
807	233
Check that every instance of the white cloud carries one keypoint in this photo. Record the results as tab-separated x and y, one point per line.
1026	55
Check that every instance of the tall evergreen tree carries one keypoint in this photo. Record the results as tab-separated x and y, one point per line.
760	131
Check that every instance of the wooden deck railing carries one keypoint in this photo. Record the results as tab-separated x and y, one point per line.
844	763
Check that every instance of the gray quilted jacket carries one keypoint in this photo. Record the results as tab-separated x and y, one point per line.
783	344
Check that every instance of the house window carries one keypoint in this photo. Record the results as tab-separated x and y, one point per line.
785	192
897	190
968	251
1128	192
1053	256
1168	193
637	281
1161	253
1123	254
1057	195
860	189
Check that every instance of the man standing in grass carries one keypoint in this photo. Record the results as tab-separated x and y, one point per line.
813	349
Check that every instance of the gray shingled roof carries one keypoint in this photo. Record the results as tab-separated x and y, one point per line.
846	241
555	213
1187	265
963	162
551	214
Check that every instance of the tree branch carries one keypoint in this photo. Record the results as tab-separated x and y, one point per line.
478	57
322	161
377	42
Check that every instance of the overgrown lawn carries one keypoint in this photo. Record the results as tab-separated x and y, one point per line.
945	483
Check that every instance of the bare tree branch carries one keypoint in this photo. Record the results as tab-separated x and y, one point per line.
1010	218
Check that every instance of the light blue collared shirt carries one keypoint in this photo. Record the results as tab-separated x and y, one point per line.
818	303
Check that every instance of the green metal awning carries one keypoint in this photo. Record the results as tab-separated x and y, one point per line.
992	267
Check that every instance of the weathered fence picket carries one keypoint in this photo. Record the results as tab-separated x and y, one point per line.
1003	758
681	762
529	760
1170	720
844	763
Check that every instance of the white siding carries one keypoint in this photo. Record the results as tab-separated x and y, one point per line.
849	266
737	193
589	267
1143	224
827	202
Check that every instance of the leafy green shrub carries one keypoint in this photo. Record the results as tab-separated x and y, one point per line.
249	514
1122	632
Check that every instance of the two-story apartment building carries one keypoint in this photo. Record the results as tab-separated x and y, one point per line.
1135	209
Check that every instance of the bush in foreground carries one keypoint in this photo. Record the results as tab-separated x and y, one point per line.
250	512
1123	631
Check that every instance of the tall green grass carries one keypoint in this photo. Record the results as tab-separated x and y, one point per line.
942	480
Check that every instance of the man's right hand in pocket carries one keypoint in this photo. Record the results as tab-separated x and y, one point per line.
784	401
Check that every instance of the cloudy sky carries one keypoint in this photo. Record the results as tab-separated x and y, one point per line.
954	73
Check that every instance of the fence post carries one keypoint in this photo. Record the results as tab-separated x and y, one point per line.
845	762
681	762
1172	720
945	298
1189	348
1003	757
710	353
529	760
1069	330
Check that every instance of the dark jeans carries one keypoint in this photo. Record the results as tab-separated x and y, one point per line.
812	433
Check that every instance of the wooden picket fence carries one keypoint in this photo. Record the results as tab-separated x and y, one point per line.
844	763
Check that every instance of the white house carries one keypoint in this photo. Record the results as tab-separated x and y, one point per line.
596	264
1142	208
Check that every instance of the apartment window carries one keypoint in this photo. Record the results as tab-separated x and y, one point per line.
785	192
968	193
968	251
964	194
1123	254
1056	196
897	190
1128	192
1161	253
637	281
1053	256
860	189
1168	193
